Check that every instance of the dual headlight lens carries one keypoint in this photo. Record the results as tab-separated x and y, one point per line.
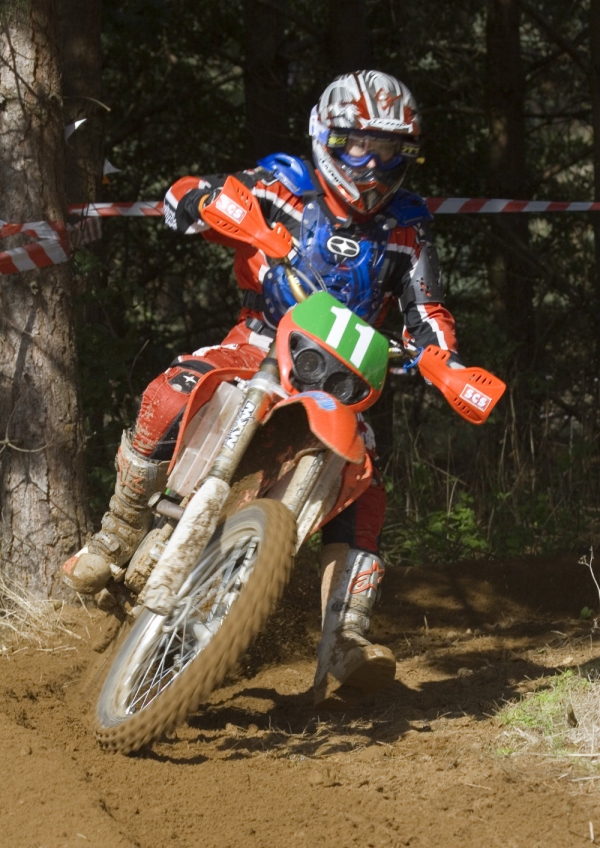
316	368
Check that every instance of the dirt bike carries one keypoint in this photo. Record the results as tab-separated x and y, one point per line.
262	461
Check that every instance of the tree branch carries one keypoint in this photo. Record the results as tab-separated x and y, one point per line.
555	36
559	168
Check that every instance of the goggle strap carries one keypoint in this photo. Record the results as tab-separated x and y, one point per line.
316	128
337	139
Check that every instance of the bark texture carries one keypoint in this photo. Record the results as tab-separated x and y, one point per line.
80	62
42	488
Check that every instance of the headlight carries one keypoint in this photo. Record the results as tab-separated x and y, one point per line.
316	368
310	365
345	386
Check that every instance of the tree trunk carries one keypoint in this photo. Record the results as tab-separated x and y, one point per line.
42	480
265	80
595	96
510	279
80	61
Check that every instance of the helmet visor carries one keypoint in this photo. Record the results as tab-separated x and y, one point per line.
357	149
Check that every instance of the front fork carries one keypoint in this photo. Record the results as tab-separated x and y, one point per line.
262	390
201	515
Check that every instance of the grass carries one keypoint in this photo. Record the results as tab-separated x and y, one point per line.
561	718
27	619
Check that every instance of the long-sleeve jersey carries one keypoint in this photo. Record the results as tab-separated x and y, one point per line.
407	272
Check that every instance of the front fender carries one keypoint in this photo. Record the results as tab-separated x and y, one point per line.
332	423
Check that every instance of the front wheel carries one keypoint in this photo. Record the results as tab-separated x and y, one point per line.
169	664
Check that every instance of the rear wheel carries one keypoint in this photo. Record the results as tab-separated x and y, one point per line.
169	664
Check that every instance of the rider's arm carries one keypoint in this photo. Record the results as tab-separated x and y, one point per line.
181	203
420	292
182	199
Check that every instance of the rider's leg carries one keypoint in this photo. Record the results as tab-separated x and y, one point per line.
124	525
143	460
348	664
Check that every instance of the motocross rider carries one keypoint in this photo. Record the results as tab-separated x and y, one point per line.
373	247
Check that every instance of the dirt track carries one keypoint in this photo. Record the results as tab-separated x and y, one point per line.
418	766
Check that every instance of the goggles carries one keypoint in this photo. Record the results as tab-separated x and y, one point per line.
357	149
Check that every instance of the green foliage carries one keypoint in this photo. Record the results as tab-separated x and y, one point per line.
432	535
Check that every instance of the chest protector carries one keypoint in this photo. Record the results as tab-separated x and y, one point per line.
344	262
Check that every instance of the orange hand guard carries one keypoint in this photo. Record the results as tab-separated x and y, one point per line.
472	392
235	212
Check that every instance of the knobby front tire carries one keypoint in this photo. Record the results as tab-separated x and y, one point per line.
169	664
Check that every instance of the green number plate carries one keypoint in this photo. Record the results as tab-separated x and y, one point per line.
355	341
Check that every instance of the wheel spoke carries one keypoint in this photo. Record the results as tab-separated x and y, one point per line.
206	603
160	671
143	695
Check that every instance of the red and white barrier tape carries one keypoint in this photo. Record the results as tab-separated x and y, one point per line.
55	243
37	229
56	240
148	208
482	205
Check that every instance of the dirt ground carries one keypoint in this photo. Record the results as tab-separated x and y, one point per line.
420	765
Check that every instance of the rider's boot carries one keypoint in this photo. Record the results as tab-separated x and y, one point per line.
124	525
348	665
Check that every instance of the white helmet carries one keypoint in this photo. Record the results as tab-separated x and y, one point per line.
365	133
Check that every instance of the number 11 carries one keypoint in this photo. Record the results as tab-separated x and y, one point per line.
365	333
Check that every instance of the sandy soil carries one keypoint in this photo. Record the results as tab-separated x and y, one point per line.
419	765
